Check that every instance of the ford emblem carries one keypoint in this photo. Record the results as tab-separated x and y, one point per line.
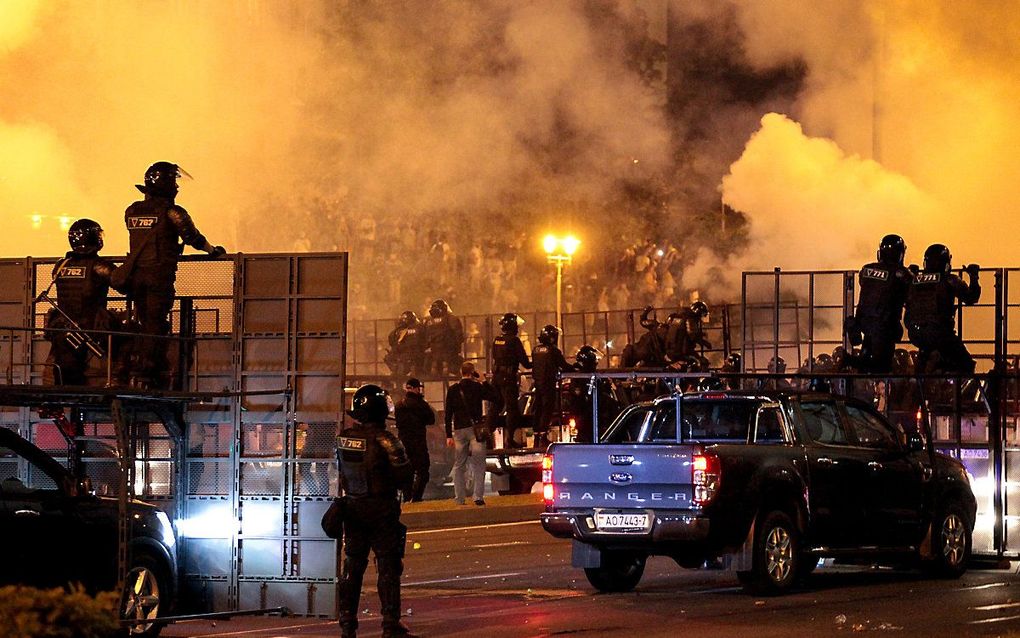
620	477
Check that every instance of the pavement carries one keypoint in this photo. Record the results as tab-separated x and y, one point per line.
447	513
492	572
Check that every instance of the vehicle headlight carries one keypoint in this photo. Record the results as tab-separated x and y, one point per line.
166	529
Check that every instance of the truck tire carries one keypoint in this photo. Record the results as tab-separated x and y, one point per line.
776	556
950	542
620	572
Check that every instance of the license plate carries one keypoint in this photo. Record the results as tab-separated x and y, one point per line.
621	522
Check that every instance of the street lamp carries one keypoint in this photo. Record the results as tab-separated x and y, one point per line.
559	251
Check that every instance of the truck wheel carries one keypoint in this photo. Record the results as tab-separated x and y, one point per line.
950	542
143	599
776	556
620	571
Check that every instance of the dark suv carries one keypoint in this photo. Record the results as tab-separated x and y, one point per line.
54	532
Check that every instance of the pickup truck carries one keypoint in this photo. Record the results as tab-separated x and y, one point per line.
767	481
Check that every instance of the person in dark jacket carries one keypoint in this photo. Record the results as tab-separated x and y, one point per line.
931	312
463	411
580	396
156	225
444	340
508	357
414	415
373	469
875	326
406	355
82	279
547	364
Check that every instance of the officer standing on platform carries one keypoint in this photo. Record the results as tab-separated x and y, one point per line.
508	356
414	415
444	340
407	346
82	279
548	362
587	360
155	226
876	324
931	313
373	468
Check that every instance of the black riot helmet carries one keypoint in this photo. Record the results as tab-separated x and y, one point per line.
937	259
509	323
161	179
550	335
777	365
371	405
408	319
587	358
439	308
891	250
85	237
734	362
699	309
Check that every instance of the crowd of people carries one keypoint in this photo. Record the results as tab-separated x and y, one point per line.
488	272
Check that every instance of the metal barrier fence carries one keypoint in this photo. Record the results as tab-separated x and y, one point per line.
254	469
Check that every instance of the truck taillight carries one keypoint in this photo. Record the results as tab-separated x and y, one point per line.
706	472
547	478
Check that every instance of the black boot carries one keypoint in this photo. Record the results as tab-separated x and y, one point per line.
389	599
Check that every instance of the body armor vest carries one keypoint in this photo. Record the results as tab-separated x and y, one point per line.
930	302
363	463
504	353
153	236
882	293
544	369
80	292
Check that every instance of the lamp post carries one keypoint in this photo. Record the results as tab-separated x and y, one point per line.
559	251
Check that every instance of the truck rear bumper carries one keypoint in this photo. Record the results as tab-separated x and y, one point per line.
665	527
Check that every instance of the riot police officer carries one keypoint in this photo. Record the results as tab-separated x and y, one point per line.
373	467
407	346
580	396
156	225
875	326
508	356
650	349
547	363
444	340
82	279
931	310
695	317
734	364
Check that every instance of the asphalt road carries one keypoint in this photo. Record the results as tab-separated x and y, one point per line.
513	580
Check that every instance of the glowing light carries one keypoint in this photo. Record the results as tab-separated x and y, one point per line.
548	491
65	222
549	243
570	244
36	221
213	524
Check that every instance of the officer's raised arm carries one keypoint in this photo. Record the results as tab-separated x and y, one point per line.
970	293
189	234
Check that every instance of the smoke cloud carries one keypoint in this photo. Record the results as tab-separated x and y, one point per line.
815	207
302	120
927	89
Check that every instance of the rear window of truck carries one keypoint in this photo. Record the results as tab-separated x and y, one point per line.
702	420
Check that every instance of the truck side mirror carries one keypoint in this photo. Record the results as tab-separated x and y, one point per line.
915	443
